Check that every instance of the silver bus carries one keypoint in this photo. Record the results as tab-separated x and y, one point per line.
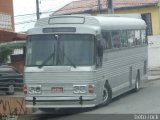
76	61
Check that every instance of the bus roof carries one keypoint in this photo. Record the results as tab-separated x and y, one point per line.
105	23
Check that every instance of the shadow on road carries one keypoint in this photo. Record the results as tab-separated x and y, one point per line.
60	113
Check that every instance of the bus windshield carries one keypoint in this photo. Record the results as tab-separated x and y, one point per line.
60	50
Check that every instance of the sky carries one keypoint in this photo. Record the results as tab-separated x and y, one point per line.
25	11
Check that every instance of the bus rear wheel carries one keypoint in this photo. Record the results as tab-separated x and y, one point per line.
107	94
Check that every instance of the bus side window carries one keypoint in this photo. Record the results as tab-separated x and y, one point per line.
131	37
123	37
144	37
138	40
116	43
107	37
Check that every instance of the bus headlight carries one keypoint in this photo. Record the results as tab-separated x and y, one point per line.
79	89
34	89
91	88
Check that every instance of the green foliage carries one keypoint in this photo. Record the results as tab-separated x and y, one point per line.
4	52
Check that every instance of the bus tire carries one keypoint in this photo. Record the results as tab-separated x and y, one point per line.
107	94
137	83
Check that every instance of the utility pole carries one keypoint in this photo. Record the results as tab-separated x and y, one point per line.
110	7
37	9
99	6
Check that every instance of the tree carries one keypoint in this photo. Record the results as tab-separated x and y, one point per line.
4	52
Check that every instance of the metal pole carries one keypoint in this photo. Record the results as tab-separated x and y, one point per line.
99	6
110	7
37	8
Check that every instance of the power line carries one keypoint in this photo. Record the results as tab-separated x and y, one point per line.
25	15
45	12
29	21
24	22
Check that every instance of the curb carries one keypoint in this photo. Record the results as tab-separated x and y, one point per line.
154	77
154	69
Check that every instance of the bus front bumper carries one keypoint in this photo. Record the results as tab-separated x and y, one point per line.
61	102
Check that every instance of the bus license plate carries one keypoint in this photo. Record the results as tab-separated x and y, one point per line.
57	89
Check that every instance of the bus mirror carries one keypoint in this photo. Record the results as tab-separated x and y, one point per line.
100	51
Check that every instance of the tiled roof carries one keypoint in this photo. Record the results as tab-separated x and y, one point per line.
92	5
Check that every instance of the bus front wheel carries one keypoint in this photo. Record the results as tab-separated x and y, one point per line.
107	94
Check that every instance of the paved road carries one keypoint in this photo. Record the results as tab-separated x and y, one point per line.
144	104
147	100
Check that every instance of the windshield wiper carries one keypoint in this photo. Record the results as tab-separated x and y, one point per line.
70	61
47	59
68	58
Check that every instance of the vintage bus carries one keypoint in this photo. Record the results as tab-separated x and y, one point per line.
79	61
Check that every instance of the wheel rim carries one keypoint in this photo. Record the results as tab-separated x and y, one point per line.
11	89
105	94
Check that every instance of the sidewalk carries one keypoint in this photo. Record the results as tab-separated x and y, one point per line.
153	73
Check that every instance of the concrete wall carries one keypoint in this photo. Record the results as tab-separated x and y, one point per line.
153	52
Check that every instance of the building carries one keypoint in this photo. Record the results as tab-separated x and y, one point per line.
7	22
149	10
9	38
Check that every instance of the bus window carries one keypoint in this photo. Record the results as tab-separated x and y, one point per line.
143	36
123	37
138	40
116	43
131	37
107	37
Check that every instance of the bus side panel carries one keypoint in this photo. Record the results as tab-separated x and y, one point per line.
120	68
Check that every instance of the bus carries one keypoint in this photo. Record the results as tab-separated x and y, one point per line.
82	61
